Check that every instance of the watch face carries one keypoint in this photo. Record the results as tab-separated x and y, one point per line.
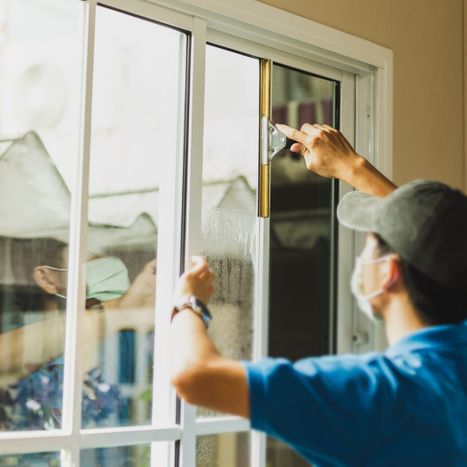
183	300
193	302
196	305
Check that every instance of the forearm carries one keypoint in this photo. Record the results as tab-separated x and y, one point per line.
200	374
29	347
190	346
33	345
366	178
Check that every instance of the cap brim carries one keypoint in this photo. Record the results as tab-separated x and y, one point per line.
358	211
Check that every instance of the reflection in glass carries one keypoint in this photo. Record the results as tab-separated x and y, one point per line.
40	84
302	214
36	459
134	131
229	195
121	456
278	454
225	450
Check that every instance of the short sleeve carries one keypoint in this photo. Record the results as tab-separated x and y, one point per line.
325	408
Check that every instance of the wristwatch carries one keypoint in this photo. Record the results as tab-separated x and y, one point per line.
194	304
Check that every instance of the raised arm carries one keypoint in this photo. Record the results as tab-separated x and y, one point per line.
329	154
200	374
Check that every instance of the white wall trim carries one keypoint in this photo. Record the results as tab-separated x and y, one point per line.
384	118
219	13
275	28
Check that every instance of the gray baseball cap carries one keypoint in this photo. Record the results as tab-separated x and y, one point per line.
425	222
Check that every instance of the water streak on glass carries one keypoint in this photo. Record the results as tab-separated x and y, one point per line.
225	450
230	172
233	232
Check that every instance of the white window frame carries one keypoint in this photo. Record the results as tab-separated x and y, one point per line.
365	71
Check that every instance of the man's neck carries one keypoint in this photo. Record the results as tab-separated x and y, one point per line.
401	319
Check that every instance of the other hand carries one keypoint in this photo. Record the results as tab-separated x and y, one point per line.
197	281
141	293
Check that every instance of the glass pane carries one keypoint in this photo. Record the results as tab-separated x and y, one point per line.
36	459
230	173
121	456
134	130
301	239
279	454
225	450
40	89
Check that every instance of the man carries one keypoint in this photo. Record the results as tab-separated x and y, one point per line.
404	407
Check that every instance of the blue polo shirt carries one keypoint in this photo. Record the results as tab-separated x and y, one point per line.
404	407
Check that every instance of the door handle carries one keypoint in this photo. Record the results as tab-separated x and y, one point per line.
272	141
264	182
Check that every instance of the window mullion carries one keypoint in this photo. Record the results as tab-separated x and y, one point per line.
346	250
216	425
193	202
261	324
261	308
109	437
72	386
35	441
168	268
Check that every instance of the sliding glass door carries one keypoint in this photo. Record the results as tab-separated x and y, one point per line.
303	234
132	137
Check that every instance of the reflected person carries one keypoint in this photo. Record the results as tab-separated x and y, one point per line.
31	370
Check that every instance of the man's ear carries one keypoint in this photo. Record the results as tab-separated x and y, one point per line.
45	279
394	272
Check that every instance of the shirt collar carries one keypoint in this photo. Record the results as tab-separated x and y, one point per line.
433	336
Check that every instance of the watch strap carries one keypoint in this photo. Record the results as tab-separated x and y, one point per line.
194	304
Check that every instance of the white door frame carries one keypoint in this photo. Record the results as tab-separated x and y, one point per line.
365	71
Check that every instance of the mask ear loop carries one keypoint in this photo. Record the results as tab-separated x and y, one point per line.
55	269
90	302
60	270
392	280
373	261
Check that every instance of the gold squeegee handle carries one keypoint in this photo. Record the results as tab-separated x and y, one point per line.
264	163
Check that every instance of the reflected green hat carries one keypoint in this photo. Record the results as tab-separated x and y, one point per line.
424	221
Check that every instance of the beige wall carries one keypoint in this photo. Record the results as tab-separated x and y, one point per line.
426	37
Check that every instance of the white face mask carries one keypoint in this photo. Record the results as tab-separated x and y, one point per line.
356	285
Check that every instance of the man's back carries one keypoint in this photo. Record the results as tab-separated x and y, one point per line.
405	407
425	420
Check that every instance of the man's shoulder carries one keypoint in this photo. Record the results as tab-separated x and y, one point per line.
317	389
344	362
346	368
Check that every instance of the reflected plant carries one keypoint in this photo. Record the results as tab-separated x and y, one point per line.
5	401
146	395
37	459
